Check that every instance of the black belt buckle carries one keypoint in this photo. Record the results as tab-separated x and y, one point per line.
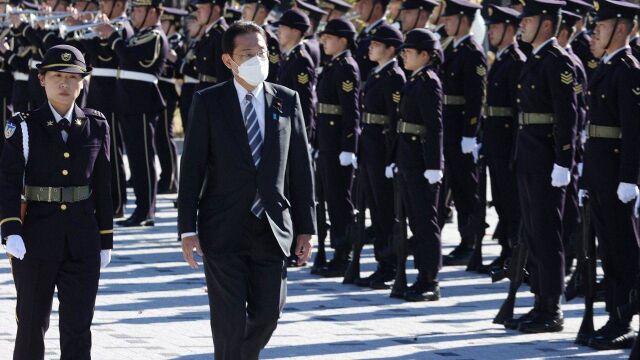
66	195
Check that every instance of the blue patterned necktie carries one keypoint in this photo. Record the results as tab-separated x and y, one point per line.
255	143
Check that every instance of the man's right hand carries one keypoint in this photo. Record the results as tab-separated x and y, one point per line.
189	244
15	246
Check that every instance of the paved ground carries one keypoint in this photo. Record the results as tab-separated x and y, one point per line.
152	306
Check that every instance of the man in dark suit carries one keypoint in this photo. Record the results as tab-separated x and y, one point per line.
246	187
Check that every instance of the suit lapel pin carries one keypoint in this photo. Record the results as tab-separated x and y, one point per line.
78	122
277	104
49	123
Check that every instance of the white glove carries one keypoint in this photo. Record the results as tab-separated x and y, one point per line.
627	192
15	246
476	153
636	208
583	137
433	176
468	145
389	171
347	158
105	258
580	167
582	193
560	176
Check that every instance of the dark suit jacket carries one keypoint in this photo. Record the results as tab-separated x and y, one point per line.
218	179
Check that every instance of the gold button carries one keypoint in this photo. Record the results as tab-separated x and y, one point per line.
205	58
533	86
589	92
520	127
451	74
63	207
414	138
616	151
66	155
331	123
602	96
65	172
518	101
506	125
519	86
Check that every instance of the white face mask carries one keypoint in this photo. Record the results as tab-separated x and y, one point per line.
254	71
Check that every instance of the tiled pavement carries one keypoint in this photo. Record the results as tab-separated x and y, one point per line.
151	305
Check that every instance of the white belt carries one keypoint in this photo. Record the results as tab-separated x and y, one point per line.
190	80
169	80
19	76
34	63
125	74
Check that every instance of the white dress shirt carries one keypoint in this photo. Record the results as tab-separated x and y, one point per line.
460	40
610	55
258	102
58	117
537	50
259	107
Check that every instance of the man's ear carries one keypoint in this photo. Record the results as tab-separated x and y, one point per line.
228	62
41	78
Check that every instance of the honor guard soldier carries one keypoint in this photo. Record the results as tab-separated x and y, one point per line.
419	157
545	147
138	100
336	135
415	14
611	165
372	13
103	81
464	82
311	42
187	69
335	9
580	38
571	215
6	80
296	71
165	143
57	156
501	124
208	50
258	11
381	96
17	56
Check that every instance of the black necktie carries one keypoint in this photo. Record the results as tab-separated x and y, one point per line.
65	125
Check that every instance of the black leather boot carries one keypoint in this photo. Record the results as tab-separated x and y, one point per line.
549	319
514	323
337	266
459	256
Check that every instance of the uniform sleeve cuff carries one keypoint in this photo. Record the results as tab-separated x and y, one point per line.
186	235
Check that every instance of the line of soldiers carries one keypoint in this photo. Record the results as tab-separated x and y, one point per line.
405	117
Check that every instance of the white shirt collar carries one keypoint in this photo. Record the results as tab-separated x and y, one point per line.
458	41
58	117
536	50
502	51
288	52
417	71
382	66
340	53
373	24
258	92
610	56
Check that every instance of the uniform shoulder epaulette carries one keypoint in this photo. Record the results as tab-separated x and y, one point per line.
630	61
557	51
94	113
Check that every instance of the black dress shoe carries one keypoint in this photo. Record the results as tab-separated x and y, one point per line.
514	323
421	291
615	336
459	256
496	265
335	268
118	215
381	276
548	319
166	190
136	221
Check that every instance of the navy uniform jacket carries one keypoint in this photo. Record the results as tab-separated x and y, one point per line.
547	85
208	52
382	93
145	52
614	100
187	65
365	65
421	104
101	56
464	71
339	84
581	92
297	72
273	46
86	226
635	47
580	46
502	80
18	56
312	45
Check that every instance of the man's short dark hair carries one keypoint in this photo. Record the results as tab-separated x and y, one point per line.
239	28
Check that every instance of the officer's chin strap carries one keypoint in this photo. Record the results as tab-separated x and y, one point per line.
613	32
255	12
415	24
210	13
504	32
146	13
458	27
537	29
373	6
